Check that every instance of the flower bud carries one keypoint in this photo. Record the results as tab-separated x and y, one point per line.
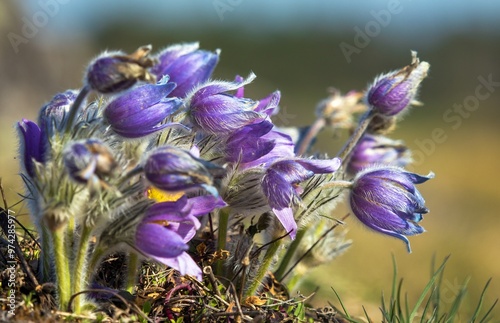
53	115
88	161
114	72
215	112
172	169
385	199
186	68
140	111
372	150
393	92
32	145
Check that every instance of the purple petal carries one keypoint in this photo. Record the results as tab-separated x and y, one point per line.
32	146
205	204
170	54
184	264
190	70
269	105
285	216
138	99
277	189
320	166
156	240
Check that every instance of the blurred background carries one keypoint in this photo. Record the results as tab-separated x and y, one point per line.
303	49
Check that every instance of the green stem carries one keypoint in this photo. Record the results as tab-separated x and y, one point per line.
263	268
80	267
344	154
45	255
133	265
312	132
290	252
70	233
221	238
97	254
73	112
62	268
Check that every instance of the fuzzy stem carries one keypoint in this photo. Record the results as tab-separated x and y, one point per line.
344	154
263	268
62	268
133	265
70	234
221	237
45	255
81	266
312	132
97	254
290	252
73	112
343	184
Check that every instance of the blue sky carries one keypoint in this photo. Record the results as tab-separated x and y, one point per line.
423	18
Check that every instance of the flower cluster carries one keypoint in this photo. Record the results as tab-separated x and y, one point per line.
167	159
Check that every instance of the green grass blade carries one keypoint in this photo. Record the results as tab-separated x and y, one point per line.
341	303
430	301
485	317
480	303
426	290
458	301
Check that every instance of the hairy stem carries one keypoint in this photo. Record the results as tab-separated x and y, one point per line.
312	132
221	237
344	154
73	112
290	252
133	265
263	268
62	268
81	266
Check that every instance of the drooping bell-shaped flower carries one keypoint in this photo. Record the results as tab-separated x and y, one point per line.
186	66
115	71
31	144
279	185
173	169
213	111
88	161
391	93
140	111
385	199
167	227
373	150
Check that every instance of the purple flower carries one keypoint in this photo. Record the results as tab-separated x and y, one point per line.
185	66
172	169
88	161
140	111
53	115
247	144
373	149
279	185
267	105
32	145
392	92
215	112
116	71
385	199
167	228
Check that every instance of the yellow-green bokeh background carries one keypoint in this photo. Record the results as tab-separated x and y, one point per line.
464	198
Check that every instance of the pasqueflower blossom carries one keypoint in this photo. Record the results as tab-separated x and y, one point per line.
385	199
